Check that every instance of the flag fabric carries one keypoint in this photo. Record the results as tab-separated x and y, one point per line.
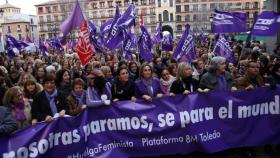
158	35
115	36
267	24
185	50
128	44
18	44
202	37
128	18
105	28
42	49
222	48
10	48
145	44
167	43
229	22
76	19
84	49
94	38
55	44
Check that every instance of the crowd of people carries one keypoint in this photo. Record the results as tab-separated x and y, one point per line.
35	88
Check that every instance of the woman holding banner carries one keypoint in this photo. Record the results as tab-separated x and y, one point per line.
98	91
49	102
19	108
217	78
77	98
148	86
185	83
123	88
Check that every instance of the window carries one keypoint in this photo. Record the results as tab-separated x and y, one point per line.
111	13
31	21
248	15
187	19
152	10
247	5
9	29
126	3
19	36
256	5
41	19
165	15
143	2
204	7
62	8
94	5
178	8
95	14
102	4
152	1
32	28
178	18
144	11
195	7
159	3
171	3
171	17
194	18
40	10
186	8
55	17
48	18
119	3
102	14
212	6
255	14
26	28
187	1
110	4
54	8
48	9
179	28
178	1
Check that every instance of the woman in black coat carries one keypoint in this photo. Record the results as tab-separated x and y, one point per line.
124	87
48	102
185	83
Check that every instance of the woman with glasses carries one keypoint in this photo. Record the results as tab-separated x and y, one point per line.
148	86
19	108
49	102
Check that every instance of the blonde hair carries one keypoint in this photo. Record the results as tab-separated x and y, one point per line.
10	93
181	68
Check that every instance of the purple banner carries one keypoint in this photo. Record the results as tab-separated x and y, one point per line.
170	125
226	22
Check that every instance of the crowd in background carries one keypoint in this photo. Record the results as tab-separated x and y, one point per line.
35	88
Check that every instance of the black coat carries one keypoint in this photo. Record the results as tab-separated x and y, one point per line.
179	86
40	107
123	92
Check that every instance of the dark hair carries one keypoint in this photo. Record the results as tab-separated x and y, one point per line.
120	69
77	81
48	77
122	62
142	69
30	82
59	76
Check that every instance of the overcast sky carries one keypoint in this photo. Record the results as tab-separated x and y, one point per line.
27	6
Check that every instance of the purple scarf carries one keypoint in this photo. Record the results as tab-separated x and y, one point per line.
149	85
19	111
51	98
79	98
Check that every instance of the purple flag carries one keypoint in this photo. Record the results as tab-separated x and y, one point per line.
202	36
128	18
229	22
223	49
16	43
105	28
158	35
76	19
266	24
167	43
185	50
55	44
94	38
10	48
43	49
128	43
115	36
145	44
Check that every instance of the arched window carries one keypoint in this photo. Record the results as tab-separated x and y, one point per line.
165	15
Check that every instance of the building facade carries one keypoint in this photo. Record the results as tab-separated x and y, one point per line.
21	26
51	14
173	14
198	13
